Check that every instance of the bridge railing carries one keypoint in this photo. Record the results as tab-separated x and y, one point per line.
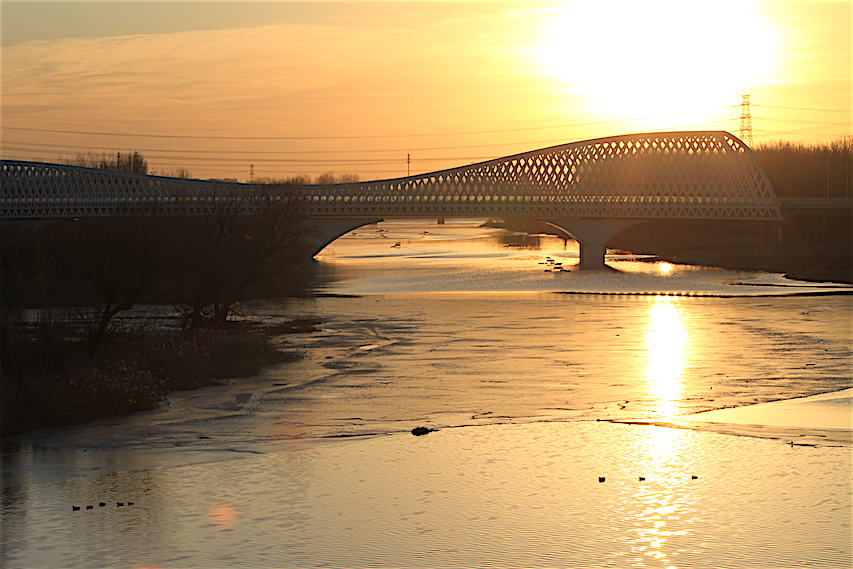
709	175
32	189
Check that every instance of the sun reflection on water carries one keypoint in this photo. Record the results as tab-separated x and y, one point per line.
660	508
667	346
659	511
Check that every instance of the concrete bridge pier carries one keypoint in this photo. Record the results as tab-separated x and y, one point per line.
324	231
592	235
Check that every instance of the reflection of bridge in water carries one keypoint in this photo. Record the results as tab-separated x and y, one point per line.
589	190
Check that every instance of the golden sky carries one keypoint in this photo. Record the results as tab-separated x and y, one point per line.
308	87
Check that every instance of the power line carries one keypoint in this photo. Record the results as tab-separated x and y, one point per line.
231	159
251	153
335	137
39	145
342	161
244	159
802	121
78	148
804	109
807	128
194	151
231	167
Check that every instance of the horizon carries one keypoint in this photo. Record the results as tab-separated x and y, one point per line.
380	90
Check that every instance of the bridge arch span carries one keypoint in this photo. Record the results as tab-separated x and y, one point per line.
323	232
588	188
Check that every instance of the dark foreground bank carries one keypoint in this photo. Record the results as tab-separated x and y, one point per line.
58	384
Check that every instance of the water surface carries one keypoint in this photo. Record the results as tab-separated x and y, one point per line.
461	329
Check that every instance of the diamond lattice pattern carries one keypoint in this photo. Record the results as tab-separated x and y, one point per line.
689	175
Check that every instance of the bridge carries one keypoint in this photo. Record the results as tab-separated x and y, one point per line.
588	190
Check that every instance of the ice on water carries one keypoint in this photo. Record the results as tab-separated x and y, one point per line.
313	463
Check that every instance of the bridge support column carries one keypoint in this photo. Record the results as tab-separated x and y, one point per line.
324	231
592	235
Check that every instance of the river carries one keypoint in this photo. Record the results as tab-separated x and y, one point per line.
561	403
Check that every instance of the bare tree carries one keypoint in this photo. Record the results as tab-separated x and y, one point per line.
179	173
132	162
332	178
229	256
348	178
300	180
118	259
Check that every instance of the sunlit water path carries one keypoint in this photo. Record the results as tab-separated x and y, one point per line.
462	329
461	256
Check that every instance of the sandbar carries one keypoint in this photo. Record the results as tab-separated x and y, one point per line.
824	419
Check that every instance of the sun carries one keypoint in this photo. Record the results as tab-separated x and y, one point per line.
634	59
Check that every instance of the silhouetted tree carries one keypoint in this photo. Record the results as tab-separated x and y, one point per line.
22	280
132	162
118	260
809	170
227	256
300	180
332	178
179	173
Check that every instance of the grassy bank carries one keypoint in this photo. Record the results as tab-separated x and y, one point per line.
57	384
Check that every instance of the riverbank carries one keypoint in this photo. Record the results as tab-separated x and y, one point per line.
816	248
60	385
531	464
385	364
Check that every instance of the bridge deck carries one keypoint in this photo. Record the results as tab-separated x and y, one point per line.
700	175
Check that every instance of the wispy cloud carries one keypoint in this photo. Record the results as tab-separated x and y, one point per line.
403	73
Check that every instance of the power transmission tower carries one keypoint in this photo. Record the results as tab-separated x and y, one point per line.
745	120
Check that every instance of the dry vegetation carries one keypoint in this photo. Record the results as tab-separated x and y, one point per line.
54	382
82	358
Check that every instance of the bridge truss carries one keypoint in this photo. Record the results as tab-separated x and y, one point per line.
686	175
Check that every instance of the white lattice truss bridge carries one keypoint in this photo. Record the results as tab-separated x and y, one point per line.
684	175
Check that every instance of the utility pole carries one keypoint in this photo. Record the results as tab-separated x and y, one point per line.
408	164
251	173
745	120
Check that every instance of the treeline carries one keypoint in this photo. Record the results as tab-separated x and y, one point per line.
136	163
809	170
71	351
305	180
132	162
810	245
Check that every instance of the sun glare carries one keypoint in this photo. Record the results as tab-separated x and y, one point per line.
666	342
638	59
